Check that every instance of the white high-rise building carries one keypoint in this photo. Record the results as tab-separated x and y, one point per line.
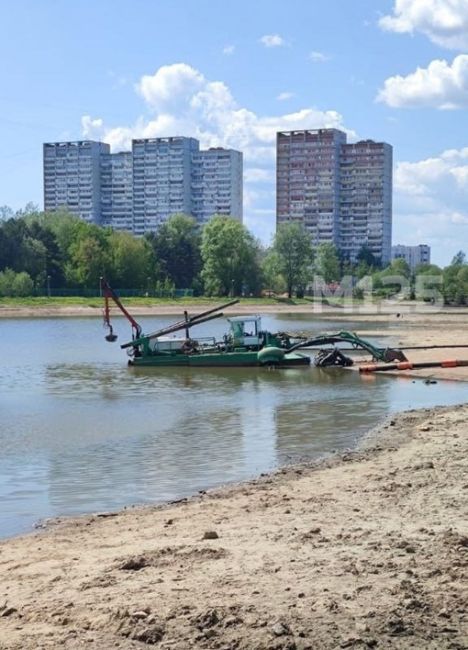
413	255
162	169
366	199
341	193
72	177
138	190
217	184
117	190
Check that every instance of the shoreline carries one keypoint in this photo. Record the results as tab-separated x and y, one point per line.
358	550
379	312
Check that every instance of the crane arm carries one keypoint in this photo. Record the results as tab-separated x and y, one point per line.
109	294
381	354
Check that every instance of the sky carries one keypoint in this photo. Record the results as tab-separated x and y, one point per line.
232	73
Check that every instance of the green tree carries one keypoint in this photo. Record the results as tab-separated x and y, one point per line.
6	212
366	263
22	284
89	260
12	234
15	284
455	284
428	282
65	227
60	231
271	272
21	249
327	263
462	279
399	266
394	279
34	260
53	258
459	259
7	278
130	263
29	209
367	256
294	255
177	250
230	258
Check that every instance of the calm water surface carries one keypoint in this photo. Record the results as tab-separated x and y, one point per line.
82	432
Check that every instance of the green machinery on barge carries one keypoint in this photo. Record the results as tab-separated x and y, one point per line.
245	345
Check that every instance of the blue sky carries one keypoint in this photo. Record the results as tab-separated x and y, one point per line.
232	73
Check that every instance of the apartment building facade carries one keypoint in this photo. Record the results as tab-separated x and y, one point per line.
161	180
413	255
138	190
116	190
307	181
340	192
72	177
217	183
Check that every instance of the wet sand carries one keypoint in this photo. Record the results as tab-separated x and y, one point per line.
361	551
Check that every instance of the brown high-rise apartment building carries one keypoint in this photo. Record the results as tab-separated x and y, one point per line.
341	193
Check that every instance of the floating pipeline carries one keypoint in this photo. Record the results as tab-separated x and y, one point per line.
408	365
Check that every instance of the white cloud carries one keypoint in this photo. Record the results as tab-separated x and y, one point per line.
445	22
282	97
423	177
318	57
169	85
182	101
259	175
419	178
89	126
431	199
229	49
272	40
441	85
461	176
457	217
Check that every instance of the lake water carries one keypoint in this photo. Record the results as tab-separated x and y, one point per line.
82	432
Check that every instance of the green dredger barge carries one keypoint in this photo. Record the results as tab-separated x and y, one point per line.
246	344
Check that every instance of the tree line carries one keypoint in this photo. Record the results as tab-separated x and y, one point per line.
44	252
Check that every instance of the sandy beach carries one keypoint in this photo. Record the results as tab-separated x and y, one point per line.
365	550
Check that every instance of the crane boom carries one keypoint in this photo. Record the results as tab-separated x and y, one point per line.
185	324
109	294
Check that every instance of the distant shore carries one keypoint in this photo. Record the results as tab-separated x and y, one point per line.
379	311
156	309
361	551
